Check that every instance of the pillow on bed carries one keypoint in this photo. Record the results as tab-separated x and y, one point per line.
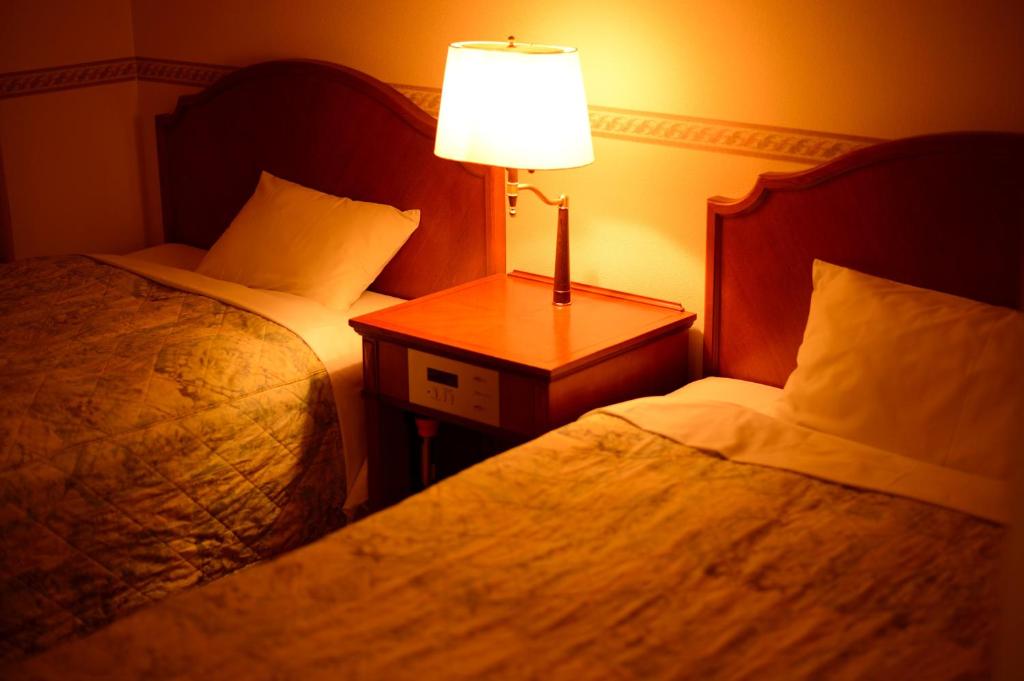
291	238
916	372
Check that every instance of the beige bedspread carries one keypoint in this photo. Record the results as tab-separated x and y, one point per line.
150	440
599	551
326	331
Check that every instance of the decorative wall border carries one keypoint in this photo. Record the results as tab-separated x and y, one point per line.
426	98
747	139
89	74
180	72
38	81
705	134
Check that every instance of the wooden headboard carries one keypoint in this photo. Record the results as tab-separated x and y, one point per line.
339	131
944	212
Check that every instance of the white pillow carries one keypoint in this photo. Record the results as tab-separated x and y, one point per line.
291	238
916	372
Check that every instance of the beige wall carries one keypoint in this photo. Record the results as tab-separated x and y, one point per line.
861	67
869	67
40	33
72	170
71	157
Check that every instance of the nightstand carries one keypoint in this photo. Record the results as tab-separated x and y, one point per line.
495	356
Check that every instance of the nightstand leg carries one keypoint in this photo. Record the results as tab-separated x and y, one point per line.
427	430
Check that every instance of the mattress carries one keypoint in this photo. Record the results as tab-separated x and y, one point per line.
151	439
599	550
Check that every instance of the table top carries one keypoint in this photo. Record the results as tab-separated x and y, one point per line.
510	317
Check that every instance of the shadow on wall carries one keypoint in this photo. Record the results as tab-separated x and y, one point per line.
6	235
152	206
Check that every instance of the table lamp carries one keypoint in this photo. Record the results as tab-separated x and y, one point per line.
517	106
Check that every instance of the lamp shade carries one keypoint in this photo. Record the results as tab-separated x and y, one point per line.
514	106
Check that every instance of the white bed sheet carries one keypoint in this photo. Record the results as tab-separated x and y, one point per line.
736	419
326	331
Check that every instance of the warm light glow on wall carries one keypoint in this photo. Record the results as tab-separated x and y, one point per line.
520	106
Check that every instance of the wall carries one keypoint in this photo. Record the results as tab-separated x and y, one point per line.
70	154
690	99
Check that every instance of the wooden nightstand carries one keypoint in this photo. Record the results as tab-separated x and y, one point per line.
496	356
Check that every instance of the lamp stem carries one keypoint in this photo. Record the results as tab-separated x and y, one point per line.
562	294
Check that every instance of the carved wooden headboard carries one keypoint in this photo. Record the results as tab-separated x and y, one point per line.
339	131
943	212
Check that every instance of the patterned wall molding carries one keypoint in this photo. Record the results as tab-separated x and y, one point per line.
89	74
426	98
38	81
748	139
180	72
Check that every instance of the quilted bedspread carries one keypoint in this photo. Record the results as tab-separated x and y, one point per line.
150	440
599	551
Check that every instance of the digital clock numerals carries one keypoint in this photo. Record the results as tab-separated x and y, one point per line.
441	394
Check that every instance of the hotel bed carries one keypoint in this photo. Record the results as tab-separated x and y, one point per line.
717	532
161	423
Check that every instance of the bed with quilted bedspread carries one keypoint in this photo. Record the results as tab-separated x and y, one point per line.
597	551
150	439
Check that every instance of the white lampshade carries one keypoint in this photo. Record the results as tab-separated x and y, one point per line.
514	106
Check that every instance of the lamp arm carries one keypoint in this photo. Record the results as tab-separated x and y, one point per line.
562	288
562	201
513	186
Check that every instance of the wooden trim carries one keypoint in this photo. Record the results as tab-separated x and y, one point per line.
712	293
600	290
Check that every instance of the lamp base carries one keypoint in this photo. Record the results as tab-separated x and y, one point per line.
562	294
